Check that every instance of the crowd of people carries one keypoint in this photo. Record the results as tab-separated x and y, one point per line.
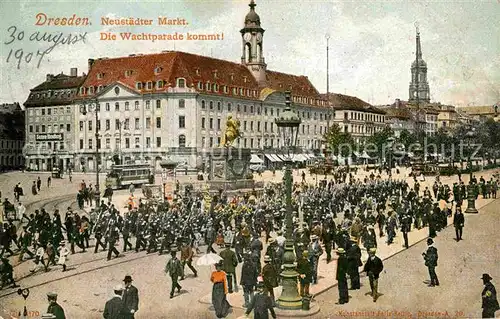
344	215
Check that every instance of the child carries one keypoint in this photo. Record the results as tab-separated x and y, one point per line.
63	252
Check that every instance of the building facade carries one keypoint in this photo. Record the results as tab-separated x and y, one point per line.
50	122
11	136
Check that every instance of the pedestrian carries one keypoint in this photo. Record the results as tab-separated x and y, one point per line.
342	269
431	258
219	291
54	308
174	269
458	223
49	180
40	252
131	189
261	304
354	262
7	274
63	252
130	298
270	276
315	251
38	183
304	269
229	263
33	188
114	307
248	279
373	268
489	298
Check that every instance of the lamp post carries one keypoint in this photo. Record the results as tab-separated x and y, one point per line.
288	124
471	188
92	106
390	145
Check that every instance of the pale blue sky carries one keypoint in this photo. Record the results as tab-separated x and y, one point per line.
372	43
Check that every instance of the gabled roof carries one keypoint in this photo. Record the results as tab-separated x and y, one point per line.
347	102
168	66
56	90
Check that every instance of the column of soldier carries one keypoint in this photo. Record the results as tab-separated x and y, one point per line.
159	227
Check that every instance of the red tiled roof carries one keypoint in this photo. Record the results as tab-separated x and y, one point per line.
194	68
347	102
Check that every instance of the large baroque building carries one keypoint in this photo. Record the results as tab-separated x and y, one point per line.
11	136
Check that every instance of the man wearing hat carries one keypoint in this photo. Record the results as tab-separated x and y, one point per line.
458	223
54	308
489	296
63	252
305	271
248	279
342	268
114	307
369	238
230	261
261	304
187	257
354	262
174	268
373	268
130	298
315	251
431	258
270	276
6	274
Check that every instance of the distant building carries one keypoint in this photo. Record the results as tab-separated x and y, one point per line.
50	122
11	136
482	113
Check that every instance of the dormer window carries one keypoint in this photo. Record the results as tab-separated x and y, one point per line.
241	91
200	86
158	69
91	90
207	86
226	89
128	73
138	85
215	87
235	91
215	74
181	83
159	84
150	85
82	90
244	79
100	76
197	71
100	88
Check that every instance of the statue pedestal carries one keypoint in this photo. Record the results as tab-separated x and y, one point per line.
229	169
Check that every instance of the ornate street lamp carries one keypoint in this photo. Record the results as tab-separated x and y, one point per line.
92	106
288	125
471	188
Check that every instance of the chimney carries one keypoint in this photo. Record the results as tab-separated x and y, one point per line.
73	72
49	77
397	102
90	63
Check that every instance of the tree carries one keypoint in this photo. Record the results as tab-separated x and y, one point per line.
407	138
378	141
340	143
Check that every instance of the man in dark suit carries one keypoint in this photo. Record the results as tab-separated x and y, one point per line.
458	222
130	298
490	301
230	261
431	258
342	268
261	304
373	268
114	307
354	262
54	308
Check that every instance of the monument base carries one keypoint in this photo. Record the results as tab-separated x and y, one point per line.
231	185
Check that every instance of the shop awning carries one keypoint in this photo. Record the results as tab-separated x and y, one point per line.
272	157
256	160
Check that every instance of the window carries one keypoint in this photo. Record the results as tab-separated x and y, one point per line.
148	142
181	83
68	110
251	109
158	104
31	129
159	84
218	124
43	111
90	126
90	143
81	144
238	108
211	123
203	142
277	112
137	142
150	85
244	125
136	105
203	123
117	106
272	112
265	111
158	122
108	143
49	111
126	124
148	123
215	87
229	107
158	142
136	124
37	129
203	105
98	125
118	142
182	103
218	140
182	121
244	142
211	142
200	86
251	125
127	142
117	124
148	105
211	105
219	107
81	126
244	108
108	125
127	107
258	126
272	127
182	140
251	143
265	126
207	86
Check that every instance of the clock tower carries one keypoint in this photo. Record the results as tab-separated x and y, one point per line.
252	43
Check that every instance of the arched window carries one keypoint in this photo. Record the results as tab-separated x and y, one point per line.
181	83
203	104
182	140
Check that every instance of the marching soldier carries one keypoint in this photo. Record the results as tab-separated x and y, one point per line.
174	269
127	226
113	237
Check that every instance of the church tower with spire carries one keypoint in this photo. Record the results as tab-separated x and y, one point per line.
252	37
419	87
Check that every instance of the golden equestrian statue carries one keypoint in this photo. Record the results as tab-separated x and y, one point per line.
232	132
